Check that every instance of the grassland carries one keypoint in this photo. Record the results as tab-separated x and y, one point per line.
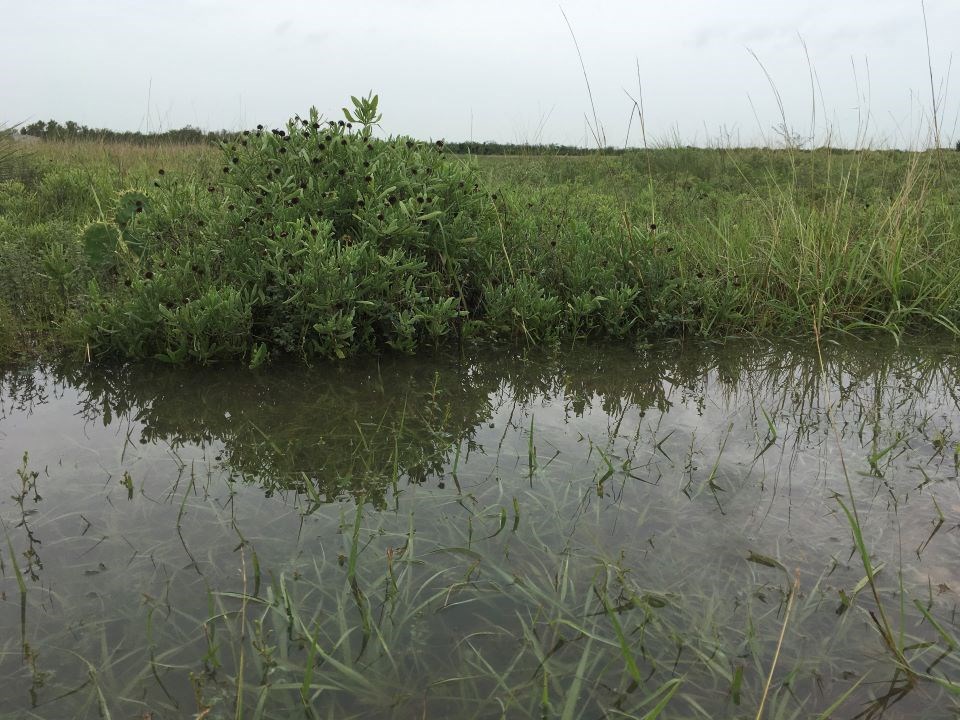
348	244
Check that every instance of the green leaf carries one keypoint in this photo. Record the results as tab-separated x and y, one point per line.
100	243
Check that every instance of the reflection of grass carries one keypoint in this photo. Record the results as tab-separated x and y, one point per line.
589	587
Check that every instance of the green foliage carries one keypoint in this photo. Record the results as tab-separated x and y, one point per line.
8	333
40	272
8	154
128	205
101	242
318	240
70	130
322	240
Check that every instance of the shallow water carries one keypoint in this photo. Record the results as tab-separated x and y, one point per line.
576	536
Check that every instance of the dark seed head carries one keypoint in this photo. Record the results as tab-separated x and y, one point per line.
282	150
234	159
653	226
226	169
294	201
361	203
367	178
259	127
148	275
161	171
379	216
392	199
128	282
341	172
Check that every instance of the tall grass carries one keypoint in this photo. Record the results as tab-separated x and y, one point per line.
235	253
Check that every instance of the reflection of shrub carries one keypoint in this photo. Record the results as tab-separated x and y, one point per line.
317	239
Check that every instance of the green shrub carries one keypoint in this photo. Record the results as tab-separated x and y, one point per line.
317	239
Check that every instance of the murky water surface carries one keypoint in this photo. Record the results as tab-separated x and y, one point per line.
610	533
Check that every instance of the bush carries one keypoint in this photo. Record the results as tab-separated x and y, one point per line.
318	239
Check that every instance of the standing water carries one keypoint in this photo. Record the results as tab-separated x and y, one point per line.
676	532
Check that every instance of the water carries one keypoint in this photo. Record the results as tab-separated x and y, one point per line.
578	536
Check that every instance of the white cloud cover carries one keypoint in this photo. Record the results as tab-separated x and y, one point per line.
495	70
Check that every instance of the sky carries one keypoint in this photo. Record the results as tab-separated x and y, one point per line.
737	72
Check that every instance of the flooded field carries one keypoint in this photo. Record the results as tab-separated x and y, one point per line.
678	532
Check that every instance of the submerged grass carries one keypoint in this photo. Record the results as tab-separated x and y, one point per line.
611	593
322	240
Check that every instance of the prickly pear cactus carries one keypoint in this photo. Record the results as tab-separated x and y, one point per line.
129	204
100	243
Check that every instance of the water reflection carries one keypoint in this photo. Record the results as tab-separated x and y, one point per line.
629	514
354	429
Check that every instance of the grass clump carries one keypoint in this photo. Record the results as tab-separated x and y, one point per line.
317	239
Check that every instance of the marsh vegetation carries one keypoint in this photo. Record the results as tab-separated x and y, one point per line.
321	240
670	433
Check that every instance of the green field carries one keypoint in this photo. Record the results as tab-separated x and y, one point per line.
328	242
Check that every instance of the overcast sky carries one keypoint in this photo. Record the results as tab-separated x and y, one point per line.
491	70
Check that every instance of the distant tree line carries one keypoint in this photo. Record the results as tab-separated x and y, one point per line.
52	130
